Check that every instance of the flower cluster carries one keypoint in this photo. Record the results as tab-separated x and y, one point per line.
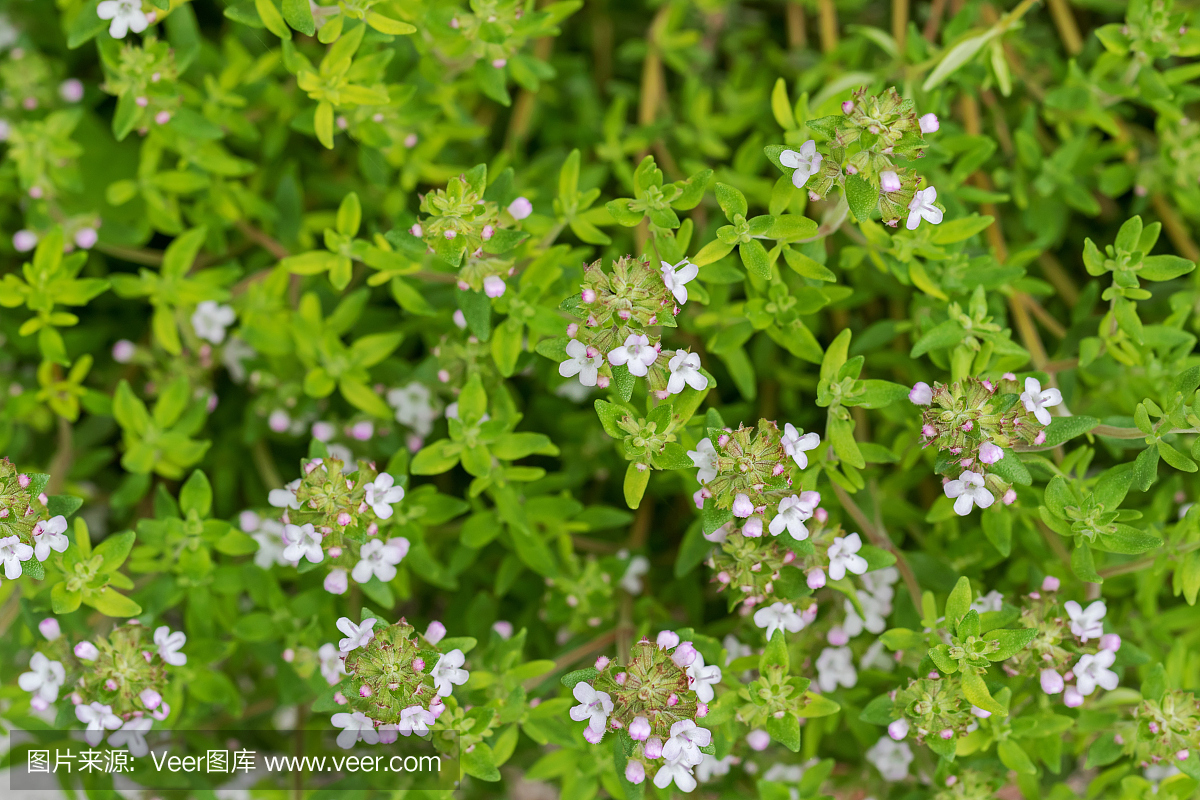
747	471
655	700
974	424
117	680
395	679
619	306
27	529
860	156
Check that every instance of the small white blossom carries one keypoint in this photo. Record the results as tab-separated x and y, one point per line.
448	673
356	635
333	668
880	582
12	552
703	678
704	458
685	742
126	16
132	736
382	493
593	706
713	767
98	718
778	616
169	644
1086	623
922	207
379	559
48	535
583	361
631	581
45	677
285	497
876	610
992	601
796	445
793	512
890	758
414	407
677	276
806	162
843	557
1037	401
211	319
637	353
1092	670
835	667
302	541
355	727
970	491
685	369
876	657
677	771
270	544
415	719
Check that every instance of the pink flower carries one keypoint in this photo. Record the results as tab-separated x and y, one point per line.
898	729
758	739
639	729
1050	584
1052	682
929	123
990	453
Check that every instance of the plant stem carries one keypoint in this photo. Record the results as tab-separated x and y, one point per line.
880	538
1177	232
263	240
571	656
796	29
900	25
261	454
60	465
1068	29
829	25
1055	543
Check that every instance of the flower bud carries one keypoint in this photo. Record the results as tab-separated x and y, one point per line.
520	208
898	729
990	453
946	733
847	106
1010	497
592	735
758	739
816	578
1110	641
86	651
982	713
150	699
837	636
921	394
889	181
701	709
684	655
753	528
742	507
653	748
49	628
494	286
639	729
435	632
1072	698
929	123
667	639
24	240
1182	755
1050	584
635	773
336	582
1052	682
1040	438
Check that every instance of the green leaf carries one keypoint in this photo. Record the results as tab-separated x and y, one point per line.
1164	268
113	604
579	676
1014	757
754	256
776	654
1011	469
956	57
862	197
196	495
997	527
976	692
1145	468
1083	565
1104	751
959	602
635	483
1063	429
1011	642
785	730
781	107
64	601
298	14
479	763
731	201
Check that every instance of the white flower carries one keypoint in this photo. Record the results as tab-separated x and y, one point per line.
332	665
354	727
12	552
793	512
778	616
835	667
379	559
302	541
98	718
382	493
970	491
631	581
807	162
843	556
414	407
211	319
126	16
922	207
992	601
233	354
702	678
132	735
876	658
876	610
448	673
48	535
713	767
270	544
45	676
677	771
285	497
593	706
169	644
1093	670
685	742
685	369
889	181
637	353
415	719
891	758
356	635
734	649
675	277
880	582
796	445
1086	623
584	361
929	123
704	458
1037	401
